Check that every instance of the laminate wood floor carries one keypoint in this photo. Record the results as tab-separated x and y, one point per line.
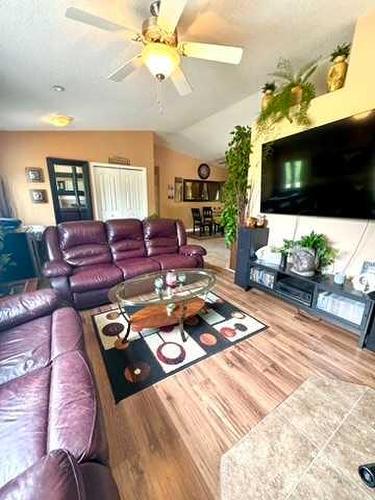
166	442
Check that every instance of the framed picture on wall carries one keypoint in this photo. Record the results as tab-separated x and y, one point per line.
38	195
34	174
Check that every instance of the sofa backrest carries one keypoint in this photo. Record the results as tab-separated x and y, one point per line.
160	236
84	243
93	242
125	238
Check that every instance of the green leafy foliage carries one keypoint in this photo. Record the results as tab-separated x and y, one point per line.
317	242
282	104
287	247
5	258
341	50
269	86
237	158
289	75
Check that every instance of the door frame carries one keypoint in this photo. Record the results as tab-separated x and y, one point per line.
51	160
116	166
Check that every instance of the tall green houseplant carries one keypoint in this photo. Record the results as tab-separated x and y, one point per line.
237	159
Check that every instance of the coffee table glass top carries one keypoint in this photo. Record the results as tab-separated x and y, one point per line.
163	287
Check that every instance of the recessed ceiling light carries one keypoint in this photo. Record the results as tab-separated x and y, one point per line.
58	88
60	120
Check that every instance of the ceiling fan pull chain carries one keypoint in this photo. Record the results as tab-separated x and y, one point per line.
159	95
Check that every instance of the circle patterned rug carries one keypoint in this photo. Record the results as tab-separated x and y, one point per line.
149	356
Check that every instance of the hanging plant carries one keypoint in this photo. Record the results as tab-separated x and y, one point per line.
295	89
237	159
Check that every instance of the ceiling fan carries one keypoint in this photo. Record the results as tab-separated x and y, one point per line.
162	49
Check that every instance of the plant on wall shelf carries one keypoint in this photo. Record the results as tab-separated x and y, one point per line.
237	159
295	89
339	67
342	50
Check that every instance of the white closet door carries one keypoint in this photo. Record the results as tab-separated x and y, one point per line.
120	192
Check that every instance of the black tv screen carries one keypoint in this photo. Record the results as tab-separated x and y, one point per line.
326	171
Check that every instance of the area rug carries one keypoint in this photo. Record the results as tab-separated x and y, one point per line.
153	355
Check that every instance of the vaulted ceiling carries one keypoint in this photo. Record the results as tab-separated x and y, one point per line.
40	48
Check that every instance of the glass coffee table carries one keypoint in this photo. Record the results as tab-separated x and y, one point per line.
165	298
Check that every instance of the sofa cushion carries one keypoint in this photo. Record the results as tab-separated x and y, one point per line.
17	309
125	237
33	345
160	236
74	419
24	404
84	243
135	267
50	408
55	476
176	261
94	277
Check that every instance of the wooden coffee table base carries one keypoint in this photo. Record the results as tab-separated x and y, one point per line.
156	316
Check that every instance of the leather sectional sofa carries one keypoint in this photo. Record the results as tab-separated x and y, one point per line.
87	258
52	439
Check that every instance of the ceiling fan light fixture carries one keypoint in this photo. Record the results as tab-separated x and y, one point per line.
60	120
160	59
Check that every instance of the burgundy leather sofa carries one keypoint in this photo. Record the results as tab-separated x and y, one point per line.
87	258
53	444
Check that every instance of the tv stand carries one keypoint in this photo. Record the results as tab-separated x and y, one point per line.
318	296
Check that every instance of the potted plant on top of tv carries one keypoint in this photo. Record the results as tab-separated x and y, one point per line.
295	89
337	72
237	159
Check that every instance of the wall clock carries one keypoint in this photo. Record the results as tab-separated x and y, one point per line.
204	171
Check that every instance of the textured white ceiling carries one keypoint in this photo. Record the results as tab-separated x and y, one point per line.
40	48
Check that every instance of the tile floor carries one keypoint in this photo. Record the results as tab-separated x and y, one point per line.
217	253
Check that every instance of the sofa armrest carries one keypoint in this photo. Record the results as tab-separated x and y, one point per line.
192	250
57	268
18	309
56	475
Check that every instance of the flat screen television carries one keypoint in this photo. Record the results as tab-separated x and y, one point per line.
326	171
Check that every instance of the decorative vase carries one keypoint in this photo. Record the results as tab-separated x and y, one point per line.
296	93
304	262
266	99
337	73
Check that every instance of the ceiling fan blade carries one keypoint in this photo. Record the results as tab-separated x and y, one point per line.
211	52
126	69
170	13
180	82
87	18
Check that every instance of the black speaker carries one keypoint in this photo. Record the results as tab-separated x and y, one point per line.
248	242
370	337
367	473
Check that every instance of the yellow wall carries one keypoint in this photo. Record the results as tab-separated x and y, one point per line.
30	149
357	96
173	164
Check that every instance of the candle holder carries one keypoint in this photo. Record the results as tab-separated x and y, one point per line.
159	285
